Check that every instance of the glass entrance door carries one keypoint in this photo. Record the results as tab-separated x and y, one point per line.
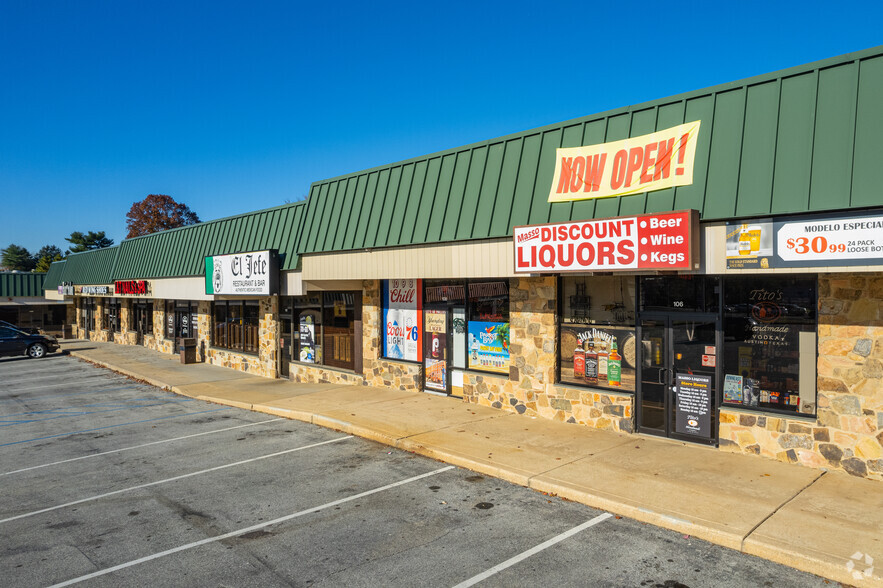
286	345
678	376
436	350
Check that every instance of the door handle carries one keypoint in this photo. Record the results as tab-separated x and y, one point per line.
661	379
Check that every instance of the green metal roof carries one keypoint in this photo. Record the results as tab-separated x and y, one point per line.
797	140
91	267
55	276
181	251
21	284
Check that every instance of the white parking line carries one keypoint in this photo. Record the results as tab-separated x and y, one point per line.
250	529
532	551
181	477
46	465
57	384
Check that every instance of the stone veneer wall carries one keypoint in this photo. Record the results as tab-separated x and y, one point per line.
530	388
262	364
157	341
848	433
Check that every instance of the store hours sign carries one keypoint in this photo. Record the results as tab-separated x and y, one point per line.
254	273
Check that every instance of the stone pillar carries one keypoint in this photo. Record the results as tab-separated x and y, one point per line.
372	317
268	338
850	373
203	329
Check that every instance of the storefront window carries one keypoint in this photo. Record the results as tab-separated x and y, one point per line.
143	317
770	343
597	333
112	314
236	325
307	312
488	326
402	319
477	337
325	328
338	329
680	293
181	319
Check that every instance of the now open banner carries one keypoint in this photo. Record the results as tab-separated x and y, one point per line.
666	241
663	159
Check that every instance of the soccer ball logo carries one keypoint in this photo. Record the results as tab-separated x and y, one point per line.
218	275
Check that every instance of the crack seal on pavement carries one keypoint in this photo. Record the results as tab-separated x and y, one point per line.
777	509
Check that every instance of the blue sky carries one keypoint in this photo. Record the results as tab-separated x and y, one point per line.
236	106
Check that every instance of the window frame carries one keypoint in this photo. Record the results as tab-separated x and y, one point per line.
617	326
238	335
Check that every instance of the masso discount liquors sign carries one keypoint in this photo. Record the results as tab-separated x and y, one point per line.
255	273
668	241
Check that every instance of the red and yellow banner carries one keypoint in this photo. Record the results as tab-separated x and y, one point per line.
639	164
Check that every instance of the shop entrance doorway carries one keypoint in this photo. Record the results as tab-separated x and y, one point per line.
286	346
444	348
678	376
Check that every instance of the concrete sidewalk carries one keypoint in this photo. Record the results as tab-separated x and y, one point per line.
829	524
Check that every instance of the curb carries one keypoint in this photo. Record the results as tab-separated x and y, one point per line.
736	542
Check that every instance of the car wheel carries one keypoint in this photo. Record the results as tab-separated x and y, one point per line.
37	350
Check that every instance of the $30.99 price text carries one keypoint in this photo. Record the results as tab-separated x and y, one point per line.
819	244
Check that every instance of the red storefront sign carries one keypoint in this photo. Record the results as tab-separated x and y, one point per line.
668	241
130	287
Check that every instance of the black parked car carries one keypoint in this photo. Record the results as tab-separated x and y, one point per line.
15	342
29	330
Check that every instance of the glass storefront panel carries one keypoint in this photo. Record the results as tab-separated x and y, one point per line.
181	319
324	326
597	332
236	324
770	346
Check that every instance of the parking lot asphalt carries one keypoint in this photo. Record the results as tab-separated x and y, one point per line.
109	481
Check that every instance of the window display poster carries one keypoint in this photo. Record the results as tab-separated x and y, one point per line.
489	346
307	339
586	345
749	244
435	350
732	388
402	302
693	405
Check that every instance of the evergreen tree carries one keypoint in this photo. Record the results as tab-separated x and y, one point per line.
17	258
88	241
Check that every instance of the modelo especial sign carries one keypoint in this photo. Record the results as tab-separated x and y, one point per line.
668	241
255	273
806	241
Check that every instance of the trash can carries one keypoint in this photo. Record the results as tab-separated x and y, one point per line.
187	349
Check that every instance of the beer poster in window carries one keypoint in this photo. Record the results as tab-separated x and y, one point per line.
307	338
402	319
600	356
435	349
489	346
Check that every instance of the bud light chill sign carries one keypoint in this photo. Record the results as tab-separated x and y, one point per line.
402	319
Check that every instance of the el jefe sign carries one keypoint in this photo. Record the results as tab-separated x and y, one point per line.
253	273
667	241
640	164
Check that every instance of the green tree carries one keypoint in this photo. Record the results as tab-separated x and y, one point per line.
17	258
45	256
88	241
158	212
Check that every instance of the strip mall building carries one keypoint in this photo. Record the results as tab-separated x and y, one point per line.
707	267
